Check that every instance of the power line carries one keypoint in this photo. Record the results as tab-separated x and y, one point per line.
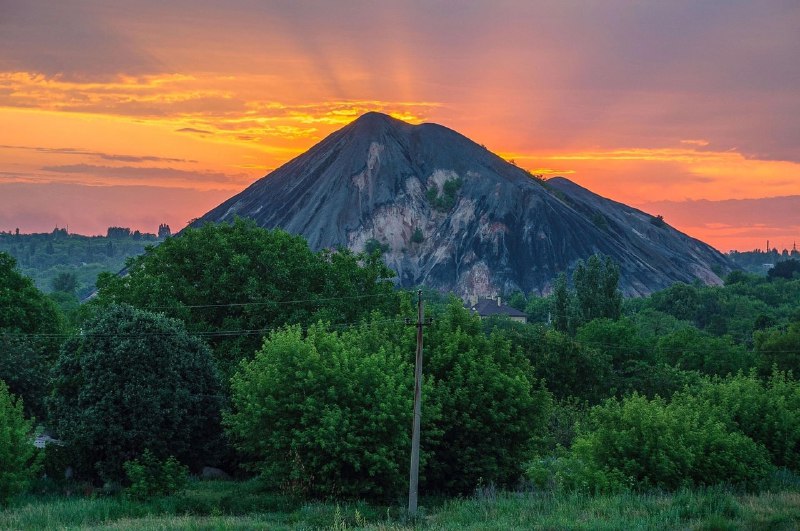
276	302
210	333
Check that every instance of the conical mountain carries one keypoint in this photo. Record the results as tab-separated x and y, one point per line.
453	216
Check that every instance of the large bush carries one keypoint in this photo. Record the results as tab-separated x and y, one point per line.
19	461
641	443
330	413
493	409
767	411
322	416
134	381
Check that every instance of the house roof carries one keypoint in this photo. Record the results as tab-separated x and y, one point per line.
489	307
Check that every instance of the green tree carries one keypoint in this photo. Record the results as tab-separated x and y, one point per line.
236	281
30	328
23	308
568	368
680	300
134	380
66	282
19	459
562	304
321	416
779	348
693	349
493	408
596	289
539	309
785	269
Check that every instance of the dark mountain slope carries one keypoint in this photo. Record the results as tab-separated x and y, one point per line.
454	216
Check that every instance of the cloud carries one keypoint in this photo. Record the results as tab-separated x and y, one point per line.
70	38
96	154
137	173
193	130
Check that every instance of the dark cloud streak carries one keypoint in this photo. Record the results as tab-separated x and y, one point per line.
97	154
147	173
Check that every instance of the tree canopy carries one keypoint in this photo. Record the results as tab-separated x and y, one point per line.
30	328
233	282
132	381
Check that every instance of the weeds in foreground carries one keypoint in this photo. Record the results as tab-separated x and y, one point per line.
245	505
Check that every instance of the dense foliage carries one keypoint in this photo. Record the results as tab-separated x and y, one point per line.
493	408
18	457
328	413
734	430
30	325
595	294
640	442
133	381
234	282
320	415
692	386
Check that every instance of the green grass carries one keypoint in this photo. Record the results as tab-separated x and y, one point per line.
244	505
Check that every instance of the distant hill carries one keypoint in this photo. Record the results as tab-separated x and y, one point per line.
44	256
451	215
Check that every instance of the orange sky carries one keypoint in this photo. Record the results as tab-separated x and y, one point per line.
120	113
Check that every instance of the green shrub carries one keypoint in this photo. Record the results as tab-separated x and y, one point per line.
445	200
650	443
19	458
134	380
766	411
494	411
321	416
150	477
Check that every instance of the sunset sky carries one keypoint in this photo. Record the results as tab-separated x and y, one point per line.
141	112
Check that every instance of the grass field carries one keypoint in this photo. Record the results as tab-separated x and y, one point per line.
243	505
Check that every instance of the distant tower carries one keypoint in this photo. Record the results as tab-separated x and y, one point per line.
164	231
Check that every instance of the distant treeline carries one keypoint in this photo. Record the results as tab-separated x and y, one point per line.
44	257
758	261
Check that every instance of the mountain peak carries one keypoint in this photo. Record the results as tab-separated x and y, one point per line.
373	121
453	216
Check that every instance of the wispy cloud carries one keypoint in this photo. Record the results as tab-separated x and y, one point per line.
165	175
96	154
193	130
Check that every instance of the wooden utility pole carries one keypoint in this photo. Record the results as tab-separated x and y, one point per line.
413	479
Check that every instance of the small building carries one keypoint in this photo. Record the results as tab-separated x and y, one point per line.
491	307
